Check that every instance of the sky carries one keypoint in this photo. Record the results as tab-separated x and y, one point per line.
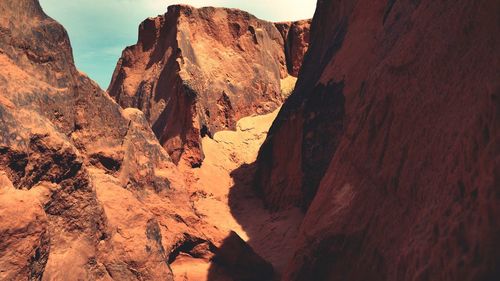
100	29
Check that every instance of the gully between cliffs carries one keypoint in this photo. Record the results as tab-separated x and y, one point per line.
383	164
211	81
223	193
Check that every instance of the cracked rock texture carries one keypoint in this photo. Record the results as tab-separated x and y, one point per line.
382	164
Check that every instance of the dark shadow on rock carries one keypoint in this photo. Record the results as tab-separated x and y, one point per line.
236	260
252	260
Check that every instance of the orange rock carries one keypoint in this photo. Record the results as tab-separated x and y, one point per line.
24	235
194	72
297	38
87	192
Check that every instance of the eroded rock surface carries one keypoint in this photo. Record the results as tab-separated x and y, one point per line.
296	36
86	190
389	144
194	72
395	155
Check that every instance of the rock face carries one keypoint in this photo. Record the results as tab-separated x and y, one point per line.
86	190
390	144
395	158
194	72
296	36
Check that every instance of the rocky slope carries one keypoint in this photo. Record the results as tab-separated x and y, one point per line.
194	72
86	190
396	152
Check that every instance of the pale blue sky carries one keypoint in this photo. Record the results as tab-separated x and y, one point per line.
100	29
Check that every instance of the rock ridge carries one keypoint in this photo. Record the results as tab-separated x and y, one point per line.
194	72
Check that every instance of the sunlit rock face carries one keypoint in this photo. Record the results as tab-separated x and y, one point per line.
390	143
194	72
87	192
85	187
383	164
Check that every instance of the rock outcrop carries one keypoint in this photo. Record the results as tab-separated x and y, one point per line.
241	261
395	159
86	190
194	72
296	36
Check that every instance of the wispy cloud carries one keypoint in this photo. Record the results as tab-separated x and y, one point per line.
99	30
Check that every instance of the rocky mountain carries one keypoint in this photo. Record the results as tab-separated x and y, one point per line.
395	152
86	190
195	72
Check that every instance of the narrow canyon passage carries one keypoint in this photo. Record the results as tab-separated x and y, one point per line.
151	180
223	195
389	145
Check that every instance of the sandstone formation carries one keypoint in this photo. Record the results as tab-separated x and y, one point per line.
296	36
382	164
396	147
194	72
242	261
86	190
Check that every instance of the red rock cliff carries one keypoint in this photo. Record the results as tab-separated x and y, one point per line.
195	72
86	190
395	158
296	36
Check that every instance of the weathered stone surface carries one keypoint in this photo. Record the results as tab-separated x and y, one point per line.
24	234
86	190
389	144
396	144
296	36
194	72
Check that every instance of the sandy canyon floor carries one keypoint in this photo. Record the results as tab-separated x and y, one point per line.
223	195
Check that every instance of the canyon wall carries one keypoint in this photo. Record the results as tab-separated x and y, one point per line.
86	190
296	36
390	143
194	72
